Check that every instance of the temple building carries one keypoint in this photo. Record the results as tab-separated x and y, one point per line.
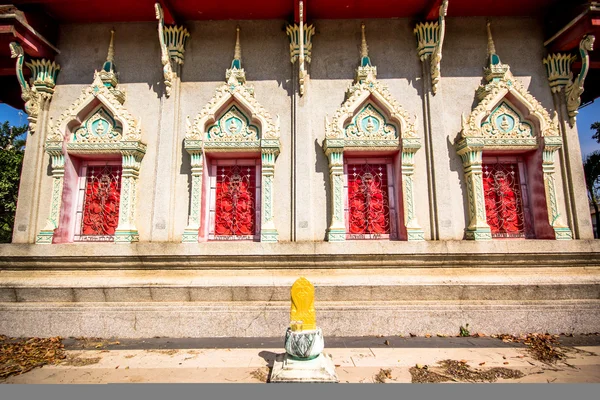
186	162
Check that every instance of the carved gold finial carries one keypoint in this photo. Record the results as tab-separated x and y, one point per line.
237	55
302	313
491	46
111	47
364	49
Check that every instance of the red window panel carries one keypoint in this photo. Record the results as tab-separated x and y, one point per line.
503	200
368	201
101	201
235	205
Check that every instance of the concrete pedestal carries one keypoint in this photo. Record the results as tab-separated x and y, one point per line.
319	370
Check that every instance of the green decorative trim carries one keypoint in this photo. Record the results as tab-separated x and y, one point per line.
126	236
574	90
176	38
427	34
220	129
293	32
100	127
233	126
29	94
44	74
44	237
563	233
495	124
300	49
430	40
558	69
336	235
369	130
479	234
370	122
504	122
415	235
268	236
190	236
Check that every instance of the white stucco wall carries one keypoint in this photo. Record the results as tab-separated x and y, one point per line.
265	57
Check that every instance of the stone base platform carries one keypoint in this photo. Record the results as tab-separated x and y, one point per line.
242	289
318	370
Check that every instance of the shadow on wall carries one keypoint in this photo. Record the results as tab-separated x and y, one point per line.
322	167
456	166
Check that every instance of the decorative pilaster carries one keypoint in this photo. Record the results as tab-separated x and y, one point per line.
301	46
558	69
268	233
413	229
471	153
54	149
574	90
337	228
194	148
127	232
430	40
561	231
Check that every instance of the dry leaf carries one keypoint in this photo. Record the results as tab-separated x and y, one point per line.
482	363
387	342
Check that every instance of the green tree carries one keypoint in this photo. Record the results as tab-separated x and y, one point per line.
11	160
591	168
596	126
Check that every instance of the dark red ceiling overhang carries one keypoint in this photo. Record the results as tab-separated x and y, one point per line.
85	11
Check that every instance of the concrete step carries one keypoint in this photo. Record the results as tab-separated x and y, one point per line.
270	319
360	285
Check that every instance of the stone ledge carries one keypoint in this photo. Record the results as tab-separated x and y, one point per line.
249	255
137	320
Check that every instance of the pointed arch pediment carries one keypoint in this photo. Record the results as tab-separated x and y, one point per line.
232	119
504	101
97	122
370	101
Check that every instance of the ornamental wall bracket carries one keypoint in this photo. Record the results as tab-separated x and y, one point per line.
40	89
574	88
301	47
233	121
506	118
98	124
558	70
173	40
430	40
370	119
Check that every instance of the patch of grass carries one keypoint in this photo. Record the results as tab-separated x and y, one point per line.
464	331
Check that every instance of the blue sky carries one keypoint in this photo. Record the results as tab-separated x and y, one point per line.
585	118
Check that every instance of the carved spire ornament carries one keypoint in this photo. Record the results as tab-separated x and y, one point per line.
233	121
44	75
574	89
301	47
370	119
430	40
97	124
506	118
